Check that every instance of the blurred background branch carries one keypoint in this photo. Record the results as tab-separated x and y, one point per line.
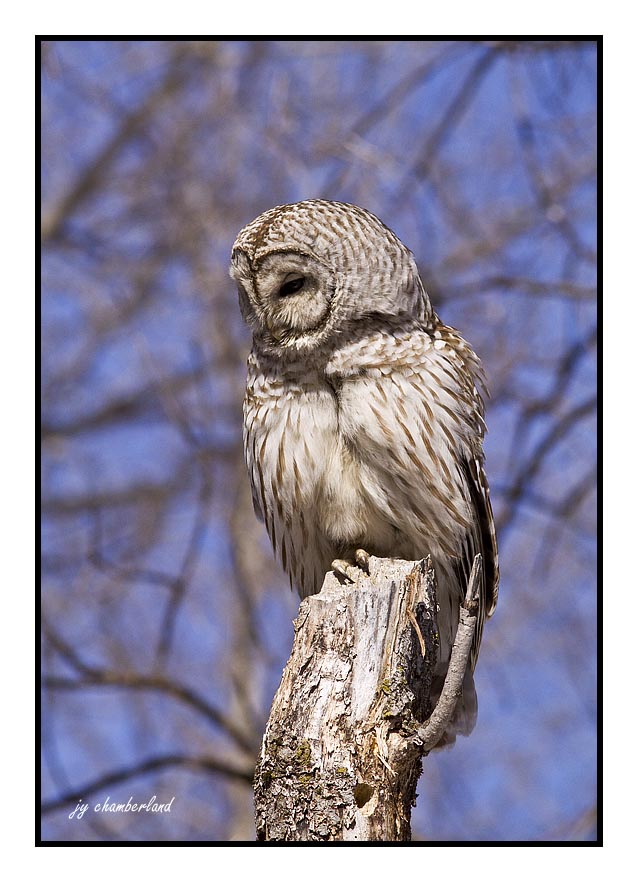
166	621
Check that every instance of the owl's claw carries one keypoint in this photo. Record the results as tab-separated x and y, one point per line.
341	568
348	570
362	559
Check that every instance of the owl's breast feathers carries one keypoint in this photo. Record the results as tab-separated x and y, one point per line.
379	446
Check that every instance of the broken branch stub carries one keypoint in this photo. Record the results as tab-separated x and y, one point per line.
339	758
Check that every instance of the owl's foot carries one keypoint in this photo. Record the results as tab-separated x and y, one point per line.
362	559
341	568
348	570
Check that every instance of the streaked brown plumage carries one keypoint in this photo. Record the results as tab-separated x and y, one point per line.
363	423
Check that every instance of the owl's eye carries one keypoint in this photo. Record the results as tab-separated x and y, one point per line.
291	286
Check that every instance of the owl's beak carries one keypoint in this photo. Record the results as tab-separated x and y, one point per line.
276	333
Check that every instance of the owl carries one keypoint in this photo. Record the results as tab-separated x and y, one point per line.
363	420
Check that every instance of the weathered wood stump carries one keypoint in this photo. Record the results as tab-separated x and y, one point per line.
341	755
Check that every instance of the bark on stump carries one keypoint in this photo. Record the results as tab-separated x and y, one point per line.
341	756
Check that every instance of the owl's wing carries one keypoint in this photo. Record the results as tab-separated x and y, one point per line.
480	537
257	506
485	540
417	422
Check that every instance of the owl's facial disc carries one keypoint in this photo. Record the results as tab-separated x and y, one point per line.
294	294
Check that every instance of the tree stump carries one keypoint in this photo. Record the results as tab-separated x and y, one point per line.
341	754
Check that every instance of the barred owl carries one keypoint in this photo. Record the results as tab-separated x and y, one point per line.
363	423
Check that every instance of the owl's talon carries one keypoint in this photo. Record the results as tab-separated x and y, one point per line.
362	559
351	571
341	568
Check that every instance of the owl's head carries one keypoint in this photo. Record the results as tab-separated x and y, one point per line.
305	271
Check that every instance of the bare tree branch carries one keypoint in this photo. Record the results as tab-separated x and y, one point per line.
94	676
86	183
